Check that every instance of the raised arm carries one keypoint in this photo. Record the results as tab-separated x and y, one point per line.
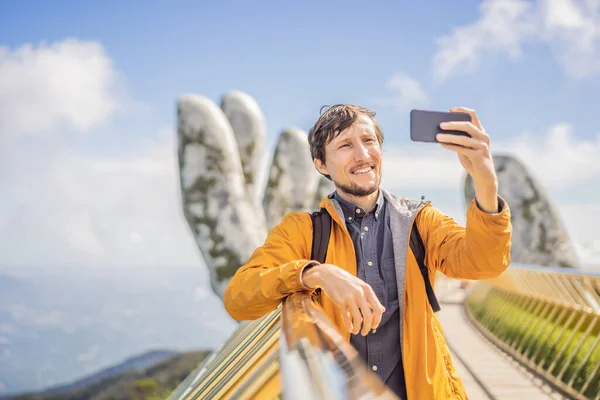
481	250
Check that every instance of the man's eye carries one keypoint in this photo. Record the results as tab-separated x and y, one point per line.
344	145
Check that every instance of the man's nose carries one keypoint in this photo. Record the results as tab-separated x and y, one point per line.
361	152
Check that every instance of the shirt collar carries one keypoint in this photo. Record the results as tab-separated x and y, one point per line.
352	211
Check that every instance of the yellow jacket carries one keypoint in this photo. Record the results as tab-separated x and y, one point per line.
479	251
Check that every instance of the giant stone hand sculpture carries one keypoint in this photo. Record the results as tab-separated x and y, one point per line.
219	152
248	124
539	235
292	184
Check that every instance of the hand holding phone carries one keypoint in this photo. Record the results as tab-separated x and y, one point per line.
425	124
472	144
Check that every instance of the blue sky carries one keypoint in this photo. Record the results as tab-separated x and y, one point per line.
103	167
294	57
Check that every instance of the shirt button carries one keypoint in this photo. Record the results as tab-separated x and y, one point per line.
374	367
358	210
366	228
369	263
349	218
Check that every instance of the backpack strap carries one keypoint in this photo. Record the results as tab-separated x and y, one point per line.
321	221
418	249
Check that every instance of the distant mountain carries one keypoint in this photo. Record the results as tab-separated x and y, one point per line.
137	363
156	381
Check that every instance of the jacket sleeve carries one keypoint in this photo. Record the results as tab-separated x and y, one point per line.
273	271
481	250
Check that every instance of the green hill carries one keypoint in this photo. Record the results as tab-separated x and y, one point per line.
153	383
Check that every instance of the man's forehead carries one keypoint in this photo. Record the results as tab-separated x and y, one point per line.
365	120
362	124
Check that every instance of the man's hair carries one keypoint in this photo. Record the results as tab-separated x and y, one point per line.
332	122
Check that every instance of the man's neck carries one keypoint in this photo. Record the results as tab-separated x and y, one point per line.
365	202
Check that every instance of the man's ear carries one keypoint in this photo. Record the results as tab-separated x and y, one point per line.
320	166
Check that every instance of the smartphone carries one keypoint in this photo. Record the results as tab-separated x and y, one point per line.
425	124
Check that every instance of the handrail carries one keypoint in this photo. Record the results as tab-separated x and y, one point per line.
316	362
294	352
549	319
243	368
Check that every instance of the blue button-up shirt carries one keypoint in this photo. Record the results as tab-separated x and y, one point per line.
372	238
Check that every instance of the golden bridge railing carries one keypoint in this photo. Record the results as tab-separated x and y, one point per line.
547	318
293	352
316	361
245	367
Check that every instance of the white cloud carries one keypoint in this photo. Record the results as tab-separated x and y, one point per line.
558	159
582	221
588	252
69	84
62	206
407	93
571	28
92	210
420	167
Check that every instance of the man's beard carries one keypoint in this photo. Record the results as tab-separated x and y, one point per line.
355	190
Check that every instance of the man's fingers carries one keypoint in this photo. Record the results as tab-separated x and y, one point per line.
459	149
377	315
356	318
463	141
472	114
347	321
468	127
378	308
367	315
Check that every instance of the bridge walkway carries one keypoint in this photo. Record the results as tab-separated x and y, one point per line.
487	371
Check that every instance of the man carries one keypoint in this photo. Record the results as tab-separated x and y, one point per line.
371	285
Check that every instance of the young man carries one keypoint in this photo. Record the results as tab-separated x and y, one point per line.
371	285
